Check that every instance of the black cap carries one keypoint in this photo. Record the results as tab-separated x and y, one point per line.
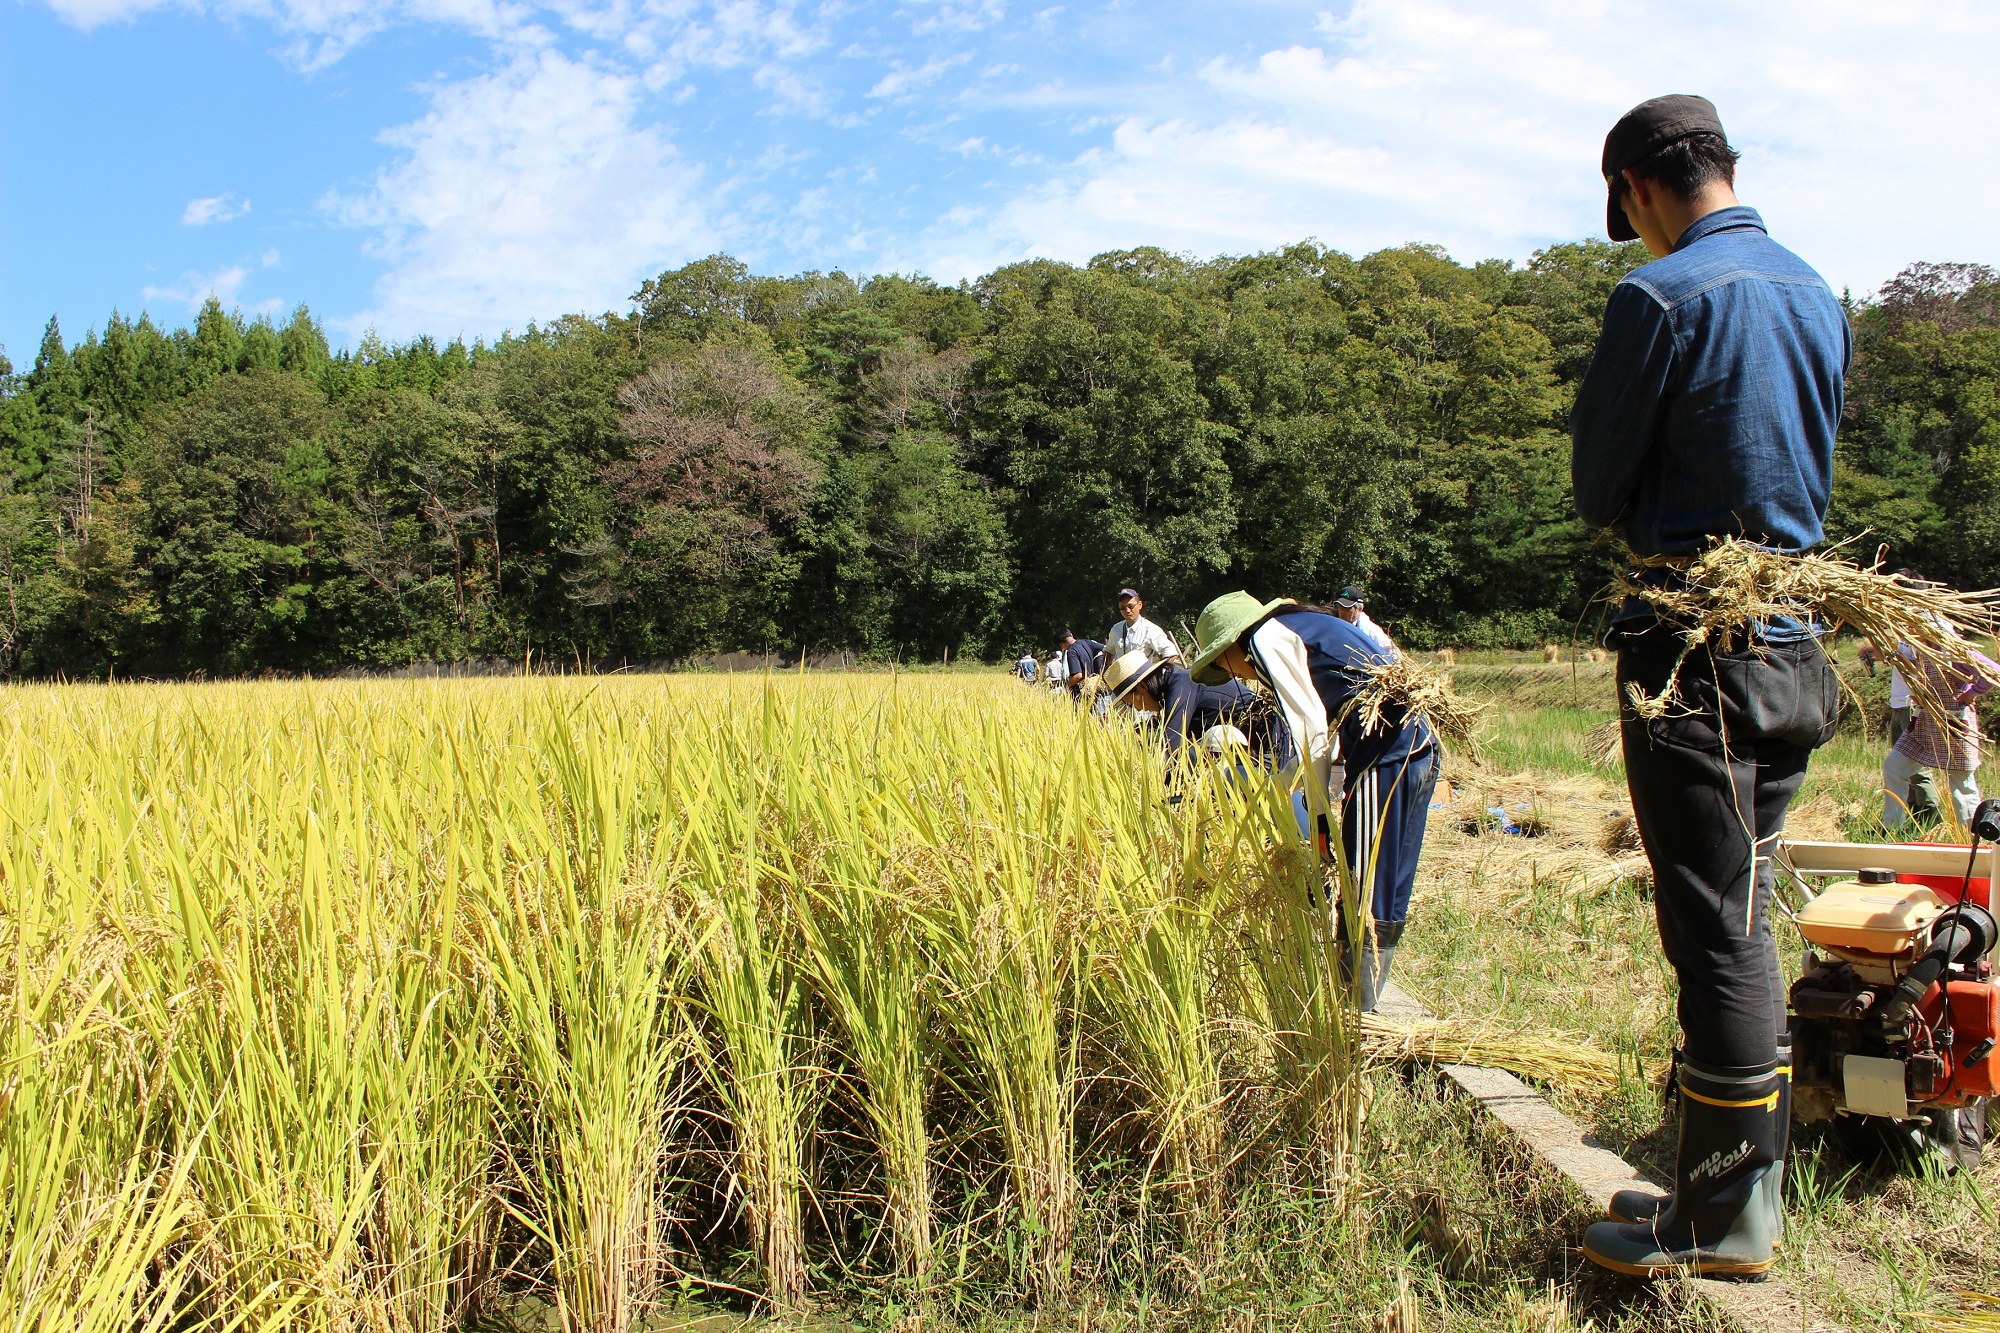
1350	596
1643	131
1123	593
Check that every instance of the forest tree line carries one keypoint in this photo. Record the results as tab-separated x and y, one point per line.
891	466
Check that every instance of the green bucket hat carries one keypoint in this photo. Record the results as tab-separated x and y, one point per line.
1222	622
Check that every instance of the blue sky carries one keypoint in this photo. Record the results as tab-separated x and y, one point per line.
460	167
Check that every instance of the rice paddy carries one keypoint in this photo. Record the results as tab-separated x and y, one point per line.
364	1006
632	1003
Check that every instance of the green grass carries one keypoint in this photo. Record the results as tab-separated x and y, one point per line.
1870	1240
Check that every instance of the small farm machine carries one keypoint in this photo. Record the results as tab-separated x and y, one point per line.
1896	1013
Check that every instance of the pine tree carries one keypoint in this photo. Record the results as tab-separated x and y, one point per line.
302	345
216	345
57	387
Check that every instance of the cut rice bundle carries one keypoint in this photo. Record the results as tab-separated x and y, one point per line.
1722	590
1550	1060
1422	692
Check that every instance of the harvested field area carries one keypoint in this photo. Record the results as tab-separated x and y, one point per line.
1548	926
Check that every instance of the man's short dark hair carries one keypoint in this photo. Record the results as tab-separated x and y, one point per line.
1063	636
1685	167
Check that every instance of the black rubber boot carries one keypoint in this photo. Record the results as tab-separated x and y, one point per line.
1645	1205
1726	1211
1375	959
1953	1139
1374	975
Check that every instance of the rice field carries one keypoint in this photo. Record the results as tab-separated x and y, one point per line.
914	1001
382	1006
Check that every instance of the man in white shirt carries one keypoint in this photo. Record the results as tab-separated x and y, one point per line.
1135	633
1348	606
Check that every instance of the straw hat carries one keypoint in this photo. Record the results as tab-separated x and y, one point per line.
1224	621
1127	671
1221	738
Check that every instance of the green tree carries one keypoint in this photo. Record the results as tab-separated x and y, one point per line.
230	479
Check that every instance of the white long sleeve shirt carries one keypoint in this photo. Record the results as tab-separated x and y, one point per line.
1376	634
1287	667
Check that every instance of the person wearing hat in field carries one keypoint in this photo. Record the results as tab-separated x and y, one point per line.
1315	661
1134	632
1189	711
1709	410
1350	606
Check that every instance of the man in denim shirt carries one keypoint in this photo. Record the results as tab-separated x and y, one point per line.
1710	409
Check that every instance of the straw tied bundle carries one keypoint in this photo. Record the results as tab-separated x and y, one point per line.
1716	595
1547	1059
1421	692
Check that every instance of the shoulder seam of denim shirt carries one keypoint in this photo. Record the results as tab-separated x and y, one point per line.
1723	280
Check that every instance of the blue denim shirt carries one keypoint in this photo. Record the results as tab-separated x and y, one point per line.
1713	398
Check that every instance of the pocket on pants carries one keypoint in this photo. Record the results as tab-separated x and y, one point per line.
1783	693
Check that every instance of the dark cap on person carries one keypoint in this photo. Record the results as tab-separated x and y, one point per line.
1133	593
1644	131
1349	596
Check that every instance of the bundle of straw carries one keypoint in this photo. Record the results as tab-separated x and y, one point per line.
1982	1312
1550	1060
1422	693
1720	591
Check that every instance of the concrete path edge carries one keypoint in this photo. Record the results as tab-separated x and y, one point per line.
1558	1142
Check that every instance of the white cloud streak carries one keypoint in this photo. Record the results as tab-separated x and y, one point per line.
215	208
195	288
523	193
1477	124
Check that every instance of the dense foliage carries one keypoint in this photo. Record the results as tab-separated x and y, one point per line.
892	467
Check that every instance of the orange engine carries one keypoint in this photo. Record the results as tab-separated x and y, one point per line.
1896	1012
1969	1070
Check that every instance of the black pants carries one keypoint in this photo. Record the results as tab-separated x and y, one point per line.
1710	784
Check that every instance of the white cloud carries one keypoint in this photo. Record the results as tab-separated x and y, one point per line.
526	192
1478	123
900	80
321	31
195	288
215	208
88	14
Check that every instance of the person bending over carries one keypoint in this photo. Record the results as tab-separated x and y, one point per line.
1189	711
1315	662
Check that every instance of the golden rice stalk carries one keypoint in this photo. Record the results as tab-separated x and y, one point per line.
1548	1060
1981	1316
1721	590
1421	692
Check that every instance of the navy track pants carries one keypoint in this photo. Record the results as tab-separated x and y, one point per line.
1382	815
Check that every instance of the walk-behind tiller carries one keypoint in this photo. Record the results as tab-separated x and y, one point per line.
1896	1013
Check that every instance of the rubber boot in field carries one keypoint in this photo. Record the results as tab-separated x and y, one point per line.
1952	1140
1645	1205
1374	975
1726	1211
